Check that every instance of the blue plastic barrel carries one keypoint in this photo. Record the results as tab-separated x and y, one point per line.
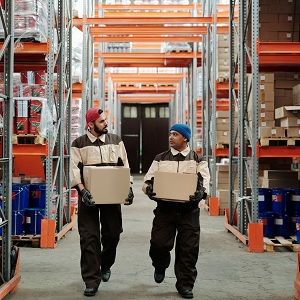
17	222
268	221
298	229
20	196
283	226
264	200
295	203
38	195
281	201
33	218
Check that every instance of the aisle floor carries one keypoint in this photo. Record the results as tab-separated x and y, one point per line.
226	270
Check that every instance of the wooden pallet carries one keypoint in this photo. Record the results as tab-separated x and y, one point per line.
23	139
23	240
279	241
181	50
284	141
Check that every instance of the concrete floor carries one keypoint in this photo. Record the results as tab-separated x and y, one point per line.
226	269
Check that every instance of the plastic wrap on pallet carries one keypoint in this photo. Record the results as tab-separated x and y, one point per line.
77	55
30	20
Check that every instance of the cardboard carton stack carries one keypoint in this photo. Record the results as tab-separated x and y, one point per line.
279	20
223	52
222	136
296	94
280	179
289	117
222	185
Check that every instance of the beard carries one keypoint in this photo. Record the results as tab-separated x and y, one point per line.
99	131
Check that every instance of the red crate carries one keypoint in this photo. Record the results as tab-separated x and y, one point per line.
35	108
21	125
34	125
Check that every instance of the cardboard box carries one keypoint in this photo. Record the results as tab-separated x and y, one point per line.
287	111
108	185
174	186
280	174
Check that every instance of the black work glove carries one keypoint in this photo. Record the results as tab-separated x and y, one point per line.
87	197
198	196
149	190
130	197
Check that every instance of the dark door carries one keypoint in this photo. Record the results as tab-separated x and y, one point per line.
155	124
130	128
145	130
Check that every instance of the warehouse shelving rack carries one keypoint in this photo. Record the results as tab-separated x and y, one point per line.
114	23
264	57
53	157
10	275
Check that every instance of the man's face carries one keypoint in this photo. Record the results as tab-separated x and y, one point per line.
99	126
177	140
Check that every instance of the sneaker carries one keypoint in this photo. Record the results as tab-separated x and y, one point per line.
106	275
159	275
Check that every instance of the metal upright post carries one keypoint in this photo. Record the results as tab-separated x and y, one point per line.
7	159
232	104
213	99
255	71
242	106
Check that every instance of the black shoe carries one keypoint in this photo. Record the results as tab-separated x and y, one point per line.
188	294
90	291
159	275
106	275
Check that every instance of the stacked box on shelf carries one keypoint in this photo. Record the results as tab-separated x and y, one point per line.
223	56
289	117
296	95
222	125
280	179
222	185
284	84
279	21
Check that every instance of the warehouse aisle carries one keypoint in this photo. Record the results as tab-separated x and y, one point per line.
226	269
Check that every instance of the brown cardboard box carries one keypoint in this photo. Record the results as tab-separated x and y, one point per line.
287	111
174	186
279	183
108	185
271	132
290	122
280	174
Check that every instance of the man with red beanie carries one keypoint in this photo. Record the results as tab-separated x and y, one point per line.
97	148
177	220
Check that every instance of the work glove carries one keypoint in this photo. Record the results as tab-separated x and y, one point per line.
198	196
87	197
149	190
130	197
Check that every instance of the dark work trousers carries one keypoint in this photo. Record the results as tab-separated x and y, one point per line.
92	258
187	227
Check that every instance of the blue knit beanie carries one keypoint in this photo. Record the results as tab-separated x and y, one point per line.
183	129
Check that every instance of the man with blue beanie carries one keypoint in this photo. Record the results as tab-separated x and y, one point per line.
177	220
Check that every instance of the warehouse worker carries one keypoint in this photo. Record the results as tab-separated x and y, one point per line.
172	217
97	148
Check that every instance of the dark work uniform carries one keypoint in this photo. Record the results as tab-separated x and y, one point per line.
177	222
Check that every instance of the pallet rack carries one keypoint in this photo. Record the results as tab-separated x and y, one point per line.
52	157
264	57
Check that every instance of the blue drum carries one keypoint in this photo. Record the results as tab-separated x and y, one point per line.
264	200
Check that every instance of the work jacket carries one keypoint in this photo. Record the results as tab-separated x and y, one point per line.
89	150
187	161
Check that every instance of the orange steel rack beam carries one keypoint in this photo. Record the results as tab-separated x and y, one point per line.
278	53
152	99
140	20
148	38
148	30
